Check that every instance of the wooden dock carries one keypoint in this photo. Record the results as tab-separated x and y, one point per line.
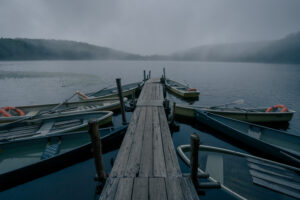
146	166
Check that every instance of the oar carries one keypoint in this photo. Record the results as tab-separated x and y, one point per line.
239	101
65	101
39	113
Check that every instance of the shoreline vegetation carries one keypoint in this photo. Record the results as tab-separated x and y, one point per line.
285	50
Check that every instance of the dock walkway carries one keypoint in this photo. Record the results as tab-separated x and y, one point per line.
146	166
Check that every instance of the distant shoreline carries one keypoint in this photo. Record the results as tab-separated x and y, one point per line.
282	51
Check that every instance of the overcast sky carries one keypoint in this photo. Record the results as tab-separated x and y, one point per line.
150	26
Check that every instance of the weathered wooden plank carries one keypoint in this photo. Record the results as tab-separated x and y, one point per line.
110	188
122	157
159	167
155	80
150	103
161	92
157	189
146	168
188	189
147	165
158	86
171	161
124	190
173	187
140	189
134	159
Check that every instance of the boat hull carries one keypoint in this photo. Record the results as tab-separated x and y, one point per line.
245	176
184	94
260	117
80	106
73	156
51	125
181	90
279	153
113	94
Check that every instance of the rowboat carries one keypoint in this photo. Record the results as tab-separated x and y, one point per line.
51	125
68	107
27	159
280	145
127	90
182	90
246	176
258	115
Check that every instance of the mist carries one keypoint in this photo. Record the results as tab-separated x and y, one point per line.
150	27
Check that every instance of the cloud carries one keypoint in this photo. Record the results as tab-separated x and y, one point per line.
150	27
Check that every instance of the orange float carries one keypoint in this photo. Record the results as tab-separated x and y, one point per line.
282	107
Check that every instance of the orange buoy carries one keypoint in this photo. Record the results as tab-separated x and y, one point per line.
4	113
280	106
19	111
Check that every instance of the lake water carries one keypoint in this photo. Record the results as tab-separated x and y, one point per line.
39	82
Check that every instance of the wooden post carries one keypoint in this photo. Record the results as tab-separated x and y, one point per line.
164	70
195	140
97	151
164	91
144	75
173	113
149	74
118	80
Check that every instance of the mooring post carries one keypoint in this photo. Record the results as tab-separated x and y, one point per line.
149	74
120	93
144	75
97	150
195	140
173	113
164	70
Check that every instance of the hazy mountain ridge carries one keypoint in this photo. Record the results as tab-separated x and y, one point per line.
40	49
285	50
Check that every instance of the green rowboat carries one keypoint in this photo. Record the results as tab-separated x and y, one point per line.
246	176
258	115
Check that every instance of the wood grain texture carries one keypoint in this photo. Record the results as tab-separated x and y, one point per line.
120	164
147	166
171	160
174	190
124	191
159	167
134	157
157	189
140	189
110	189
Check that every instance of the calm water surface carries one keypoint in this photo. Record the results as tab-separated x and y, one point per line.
39	82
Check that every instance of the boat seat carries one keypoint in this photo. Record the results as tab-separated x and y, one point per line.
45	128
51	150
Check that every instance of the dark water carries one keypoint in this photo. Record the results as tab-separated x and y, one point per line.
40	82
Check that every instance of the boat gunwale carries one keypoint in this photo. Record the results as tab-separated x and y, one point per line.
183	85
114	132
107	114
235	112
112	105
290	151
184	148
138	85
